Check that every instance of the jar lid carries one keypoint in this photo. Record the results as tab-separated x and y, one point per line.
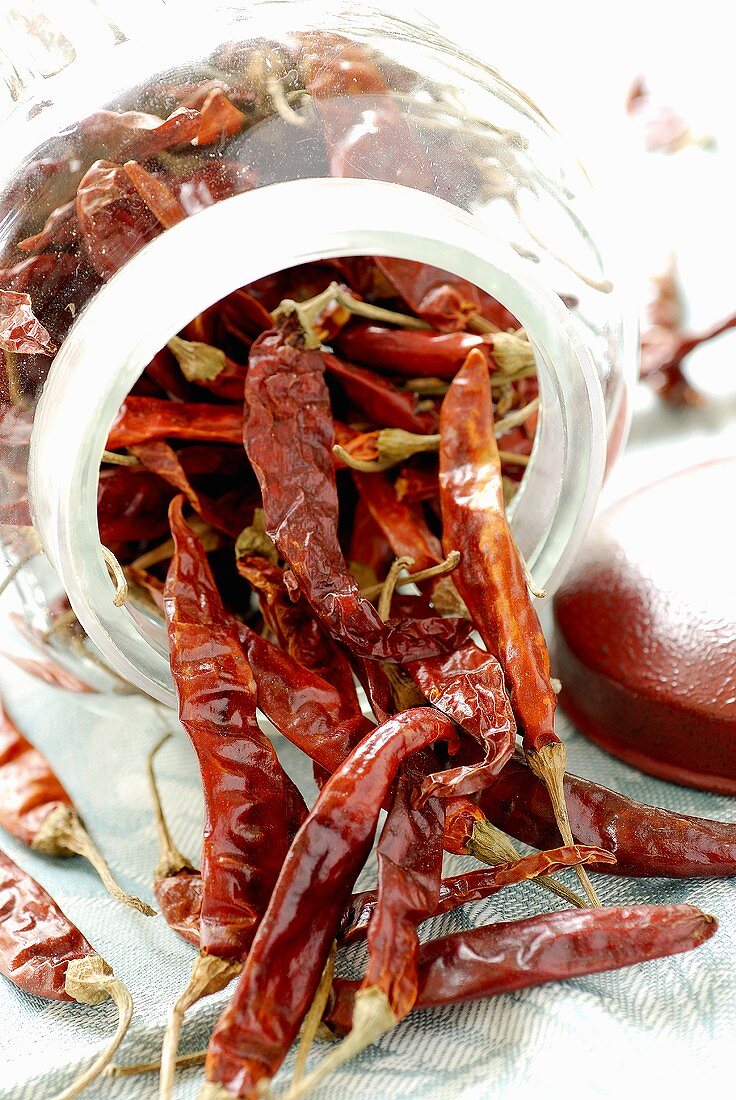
646	630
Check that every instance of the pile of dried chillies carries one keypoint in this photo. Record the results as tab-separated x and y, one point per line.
302	564
308	486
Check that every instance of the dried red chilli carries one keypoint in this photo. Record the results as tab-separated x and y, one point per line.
37	809
297	630
114	221
209	367
416	484
646	840
44	954
503	957
288	955
447	301
468	686
251	807
142	419
287	412
308	710
132	505
21	333
478	885
176	882
156	194
370	555
491	577
311	713
418	354
378	398
162	460
409	873
403	526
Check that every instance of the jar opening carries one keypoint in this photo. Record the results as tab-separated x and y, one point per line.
194	265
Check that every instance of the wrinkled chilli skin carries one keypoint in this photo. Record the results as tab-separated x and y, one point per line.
287	413
288	955
409	874
477	885
37	942
29	789
646	840
249	801
500	958
490	576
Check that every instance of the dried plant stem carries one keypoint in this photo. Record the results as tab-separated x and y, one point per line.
439	570
372	1018
429	387
549	764
498	381
512	459
405	692
117	574
63	834
114	458
365	465
275	89
254	540
184	1061
313	1019
309	310
210	539
514	419
389	585
489	845
540	593
90	981
478	323
210	975
170	859
12	573
15	390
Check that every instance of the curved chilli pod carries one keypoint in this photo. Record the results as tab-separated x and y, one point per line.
142	419
500	958
252	808
20	330
468	686
287	414
284	966
297	630
646	840
409	874
44	954
491	577
37	810
447	301
478	885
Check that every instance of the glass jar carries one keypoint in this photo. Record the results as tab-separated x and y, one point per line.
362	133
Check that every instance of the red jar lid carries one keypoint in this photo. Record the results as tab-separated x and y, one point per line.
646	630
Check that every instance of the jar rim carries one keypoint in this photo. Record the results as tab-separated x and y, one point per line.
193	265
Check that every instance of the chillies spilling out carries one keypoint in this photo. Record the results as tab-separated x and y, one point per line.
333	542
308	487
305	524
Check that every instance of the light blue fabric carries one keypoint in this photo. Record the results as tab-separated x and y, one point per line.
601	1036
